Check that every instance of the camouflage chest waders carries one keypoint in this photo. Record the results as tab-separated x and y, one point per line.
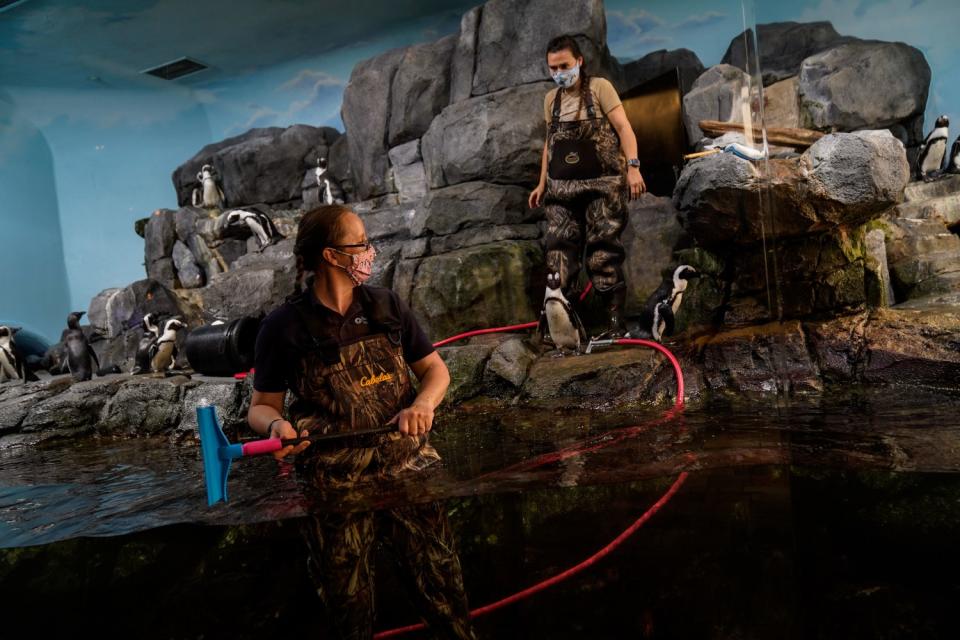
355	386
585	215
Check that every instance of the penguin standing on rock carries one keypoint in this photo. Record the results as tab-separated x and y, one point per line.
933	149
259	223
163	355
559	320
210	194
953	164
151	333
13	365
659	313
80	355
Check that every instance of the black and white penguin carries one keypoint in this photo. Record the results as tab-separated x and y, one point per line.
209	195
163	356
80	355
953	163
934	147
659	313
559	320
259	223
332	194
13	363
151	333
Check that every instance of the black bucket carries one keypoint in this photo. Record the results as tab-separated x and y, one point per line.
223	349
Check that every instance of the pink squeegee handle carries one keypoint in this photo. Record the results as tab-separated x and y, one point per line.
269	445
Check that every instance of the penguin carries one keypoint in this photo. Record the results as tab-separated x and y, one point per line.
953	164
163	354
325	185
659	313
13	363
259	223
933	149
209	195
151	333
559	320
80	355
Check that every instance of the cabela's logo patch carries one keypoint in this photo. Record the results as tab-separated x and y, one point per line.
572	158
368	381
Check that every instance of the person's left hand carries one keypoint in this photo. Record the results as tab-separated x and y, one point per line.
415	419
635	183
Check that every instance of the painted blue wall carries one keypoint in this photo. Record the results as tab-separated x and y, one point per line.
33	293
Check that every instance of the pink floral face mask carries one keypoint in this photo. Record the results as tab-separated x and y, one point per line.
361	264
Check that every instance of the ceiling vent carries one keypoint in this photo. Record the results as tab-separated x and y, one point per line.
177	69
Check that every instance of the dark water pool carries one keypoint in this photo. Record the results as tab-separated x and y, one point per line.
834	518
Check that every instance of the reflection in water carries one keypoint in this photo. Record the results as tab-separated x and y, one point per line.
833	518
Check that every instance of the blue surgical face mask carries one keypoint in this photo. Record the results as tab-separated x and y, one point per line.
568	78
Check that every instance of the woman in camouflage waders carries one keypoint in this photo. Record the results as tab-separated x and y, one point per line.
589	168
343	348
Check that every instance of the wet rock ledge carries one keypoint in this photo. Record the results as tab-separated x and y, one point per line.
916	344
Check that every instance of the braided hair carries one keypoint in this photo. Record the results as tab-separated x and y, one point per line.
569	43
319	228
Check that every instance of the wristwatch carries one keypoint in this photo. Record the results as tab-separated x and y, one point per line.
634	162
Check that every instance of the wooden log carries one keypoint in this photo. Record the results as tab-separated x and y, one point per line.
798	139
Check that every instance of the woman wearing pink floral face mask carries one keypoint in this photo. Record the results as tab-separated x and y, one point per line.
345	349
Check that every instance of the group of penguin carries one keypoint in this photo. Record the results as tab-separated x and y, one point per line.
559	320
156	352
934	148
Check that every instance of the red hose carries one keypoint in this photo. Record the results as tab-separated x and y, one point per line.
567	453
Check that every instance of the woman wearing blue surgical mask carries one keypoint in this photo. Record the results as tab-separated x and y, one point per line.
588	170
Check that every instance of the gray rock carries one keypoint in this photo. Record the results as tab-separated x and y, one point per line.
482	235
162	271
261	165
97	314
247	291
507	57
464	56
715	95
74	411
125	308
466	364
854	177
421	89
391	223
879	287
470	204
143	406
652	232
843	179
511	361
863	85
488	285
205	257
365	111
188	271
159	234
411	182
657	63
616	377
405	154
275	256
783	47
17	400
231	250
338	166
922	257
496	137
185	220
416	248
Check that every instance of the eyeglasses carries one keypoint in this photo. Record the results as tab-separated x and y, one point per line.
366	246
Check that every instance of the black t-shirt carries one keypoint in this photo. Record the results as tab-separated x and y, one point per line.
283	337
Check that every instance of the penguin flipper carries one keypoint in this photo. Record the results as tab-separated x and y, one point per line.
542	326
93	356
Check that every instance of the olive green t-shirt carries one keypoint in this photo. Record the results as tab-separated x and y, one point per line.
604	96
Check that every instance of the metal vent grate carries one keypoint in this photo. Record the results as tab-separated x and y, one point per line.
176	69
